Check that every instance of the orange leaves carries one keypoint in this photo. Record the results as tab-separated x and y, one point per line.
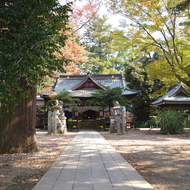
75	53
82	13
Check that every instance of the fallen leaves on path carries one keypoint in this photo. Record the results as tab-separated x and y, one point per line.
163	160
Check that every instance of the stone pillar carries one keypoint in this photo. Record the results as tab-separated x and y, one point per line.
123	117
56	109
112	124
50	126
119	129
117	112
62	119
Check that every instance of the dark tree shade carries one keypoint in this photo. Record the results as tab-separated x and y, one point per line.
30	34
137	78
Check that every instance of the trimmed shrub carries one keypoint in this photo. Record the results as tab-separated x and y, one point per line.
170	121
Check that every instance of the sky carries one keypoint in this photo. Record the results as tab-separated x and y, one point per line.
113	19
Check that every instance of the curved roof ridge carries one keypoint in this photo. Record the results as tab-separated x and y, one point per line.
178	84
99	84
85	79
172	92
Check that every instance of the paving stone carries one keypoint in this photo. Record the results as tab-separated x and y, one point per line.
89	162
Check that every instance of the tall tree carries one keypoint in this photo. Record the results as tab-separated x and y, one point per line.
137	78
30	36
104	45
160	28
82	13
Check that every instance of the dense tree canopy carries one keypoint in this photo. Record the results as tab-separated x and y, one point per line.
137	78
104	45
29	37
158	27
183	5
82	13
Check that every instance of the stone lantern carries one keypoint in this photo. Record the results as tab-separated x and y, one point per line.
117	110
120	119
56	109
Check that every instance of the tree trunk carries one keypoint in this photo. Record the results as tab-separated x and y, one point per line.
17	130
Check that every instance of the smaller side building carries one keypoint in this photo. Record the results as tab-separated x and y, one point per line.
177	97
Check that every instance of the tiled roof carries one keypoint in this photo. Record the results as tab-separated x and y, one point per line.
83	93
85	80
72	82
176	94
130	92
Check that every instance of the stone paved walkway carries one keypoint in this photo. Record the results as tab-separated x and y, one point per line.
89	162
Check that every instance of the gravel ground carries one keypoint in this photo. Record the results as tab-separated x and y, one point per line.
163	160
23	171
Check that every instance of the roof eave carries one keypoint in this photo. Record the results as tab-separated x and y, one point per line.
170	103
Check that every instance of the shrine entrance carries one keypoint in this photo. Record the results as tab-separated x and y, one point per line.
89	114
89	119
86	117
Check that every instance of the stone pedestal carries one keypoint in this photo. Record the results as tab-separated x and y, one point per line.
112	124
62	118
119	118
119	128
55	118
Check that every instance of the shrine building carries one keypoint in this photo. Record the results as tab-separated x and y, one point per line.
82	87
177	98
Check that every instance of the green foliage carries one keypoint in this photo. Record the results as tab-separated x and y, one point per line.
160	70
105	46
153	121
50	103
170	121
188	123
183	5
67	99
29	37
105	98
158	27
41	118
137	78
